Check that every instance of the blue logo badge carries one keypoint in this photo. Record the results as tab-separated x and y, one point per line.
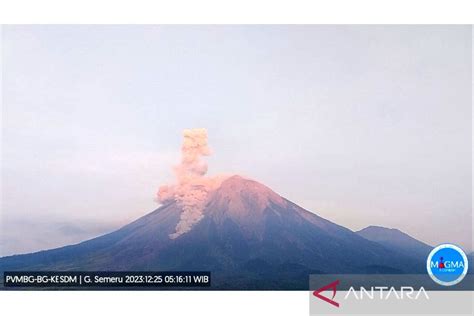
447	264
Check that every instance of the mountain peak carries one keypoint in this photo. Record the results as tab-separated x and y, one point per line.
395	239
240	197
239	187
238	182
380	233
375	228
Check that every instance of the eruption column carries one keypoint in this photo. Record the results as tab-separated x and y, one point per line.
192	188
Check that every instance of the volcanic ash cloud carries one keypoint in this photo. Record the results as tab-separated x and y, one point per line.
192	187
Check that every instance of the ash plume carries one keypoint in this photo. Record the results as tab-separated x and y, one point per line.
192	186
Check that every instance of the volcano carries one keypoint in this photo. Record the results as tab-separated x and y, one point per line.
249	237
396	240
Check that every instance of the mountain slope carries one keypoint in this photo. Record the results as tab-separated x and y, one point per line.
249	238
396	240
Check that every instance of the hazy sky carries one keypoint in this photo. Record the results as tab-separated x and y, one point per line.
363	125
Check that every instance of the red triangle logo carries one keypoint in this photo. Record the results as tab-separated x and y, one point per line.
332	286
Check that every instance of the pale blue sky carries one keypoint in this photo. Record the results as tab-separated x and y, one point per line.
364	125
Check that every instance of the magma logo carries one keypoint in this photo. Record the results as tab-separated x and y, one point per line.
447	264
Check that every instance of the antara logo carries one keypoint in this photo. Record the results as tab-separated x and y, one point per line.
373	293
332	286
384	293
